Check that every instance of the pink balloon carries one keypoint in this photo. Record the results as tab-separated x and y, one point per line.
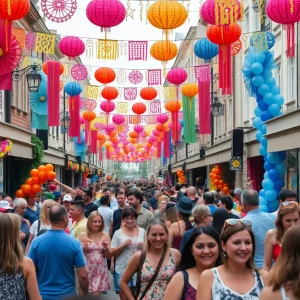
177	76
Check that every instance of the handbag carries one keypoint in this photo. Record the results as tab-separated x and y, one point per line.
140	266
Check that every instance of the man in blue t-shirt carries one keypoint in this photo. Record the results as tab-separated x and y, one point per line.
56	255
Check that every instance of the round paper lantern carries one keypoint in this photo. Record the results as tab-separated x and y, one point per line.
45	68
161	127
167	14
106	13
105	75
133	134
164	50
139	108
118	119
221	35
109	128
109	93
226	14
89	115
205	49
177	76
138	128
148	93
100	137
71	46
162	118
107	106
73	89
14	9
189	90
172	106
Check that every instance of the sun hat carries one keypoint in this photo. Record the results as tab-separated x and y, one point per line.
184	205
4	205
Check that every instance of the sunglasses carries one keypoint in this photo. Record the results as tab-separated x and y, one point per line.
287	203
232	222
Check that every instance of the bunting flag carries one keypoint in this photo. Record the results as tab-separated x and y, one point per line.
154	77
89	48
30	40
259	42
149	119
102	118
137	50
169	93
108	49
134	119
45	43
92	91
20	35
26	61
130	94
149	127
189	119
202	74
155	107
122	108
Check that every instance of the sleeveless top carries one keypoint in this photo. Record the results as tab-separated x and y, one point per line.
188	293
276	251
177	240
12	287
221	292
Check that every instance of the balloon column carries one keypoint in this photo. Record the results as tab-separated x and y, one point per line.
181	177
258	78
32	186
217	181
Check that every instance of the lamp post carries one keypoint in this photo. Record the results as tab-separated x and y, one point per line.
33	78
216	107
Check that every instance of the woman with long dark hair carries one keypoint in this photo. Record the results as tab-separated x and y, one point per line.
184	209
284	281
237	278
200	253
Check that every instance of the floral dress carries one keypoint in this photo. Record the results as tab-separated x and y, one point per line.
157	290
96	268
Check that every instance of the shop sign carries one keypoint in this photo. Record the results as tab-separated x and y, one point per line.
236	163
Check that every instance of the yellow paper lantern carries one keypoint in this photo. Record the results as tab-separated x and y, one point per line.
189	90
164	50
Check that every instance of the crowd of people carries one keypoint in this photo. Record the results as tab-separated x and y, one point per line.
159	242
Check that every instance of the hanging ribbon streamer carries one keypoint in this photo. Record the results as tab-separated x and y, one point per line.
290	34
167	152
74	111
93	143
189	119
53	92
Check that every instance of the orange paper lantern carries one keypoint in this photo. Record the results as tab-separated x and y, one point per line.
105	75
139	108
89	115
109	93
164	50
148	93
172	106
189	90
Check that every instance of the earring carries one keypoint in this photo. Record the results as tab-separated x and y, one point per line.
224	253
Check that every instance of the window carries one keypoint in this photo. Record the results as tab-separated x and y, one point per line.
266	24
1	106
246	104
277	73
246	22
291	79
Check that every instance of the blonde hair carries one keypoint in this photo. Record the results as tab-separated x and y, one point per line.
283	210
11	251
90	220
198	212
43	216
163	198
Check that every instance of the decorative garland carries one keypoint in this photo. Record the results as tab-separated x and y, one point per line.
5	147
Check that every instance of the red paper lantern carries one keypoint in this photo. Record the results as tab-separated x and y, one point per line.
172	106
109	93
223	35
139	108
71	46
14	9
105	75
148	93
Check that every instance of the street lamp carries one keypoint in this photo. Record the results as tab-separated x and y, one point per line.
216	107
33	78
65	120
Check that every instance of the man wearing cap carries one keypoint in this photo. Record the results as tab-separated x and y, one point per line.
4	207
67	204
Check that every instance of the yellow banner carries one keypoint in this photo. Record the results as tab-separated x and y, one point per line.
45	43
92	92
108	49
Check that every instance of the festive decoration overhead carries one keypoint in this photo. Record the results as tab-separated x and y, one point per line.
135	77
130	93
137	50
79	72
59	11
148	93
109	93
5	147
71	46
45	43
205	49
105	75
90	104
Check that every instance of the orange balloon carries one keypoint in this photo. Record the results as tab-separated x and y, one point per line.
225	189
220	186
49	167
34	172
211	175
51	175
42	175
32	195
35	180
218	171
215	176
213	170
36	188
216	182
29	181
221	181
219	176
42	168
19	194
26	188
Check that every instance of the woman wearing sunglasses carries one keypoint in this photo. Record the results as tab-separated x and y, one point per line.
237	278
288	216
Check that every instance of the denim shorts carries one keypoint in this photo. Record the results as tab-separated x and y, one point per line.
117	278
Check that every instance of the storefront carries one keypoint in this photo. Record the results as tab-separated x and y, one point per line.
255	171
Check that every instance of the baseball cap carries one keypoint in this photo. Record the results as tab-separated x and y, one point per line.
68	198
4	205
238	191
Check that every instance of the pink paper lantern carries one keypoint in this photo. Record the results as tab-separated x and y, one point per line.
162	118
155	132
71	46
107	106
138	128
82	120
152	138
118	119
282	12
109	128
177	76
106	13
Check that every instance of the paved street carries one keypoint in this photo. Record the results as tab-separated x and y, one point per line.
111	295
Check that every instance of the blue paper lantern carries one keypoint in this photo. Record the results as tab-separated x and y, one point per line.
205	49
73	89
